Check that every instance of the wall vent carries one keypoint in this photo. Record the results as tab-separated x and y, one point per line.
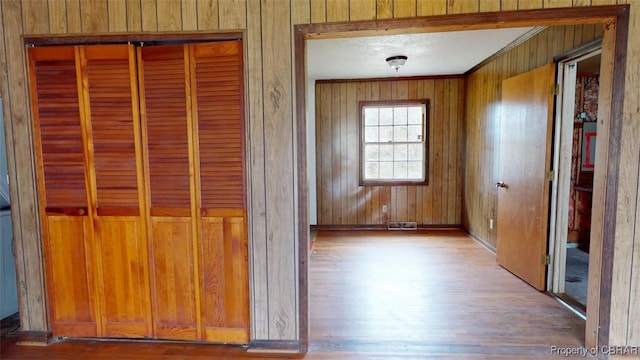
402	225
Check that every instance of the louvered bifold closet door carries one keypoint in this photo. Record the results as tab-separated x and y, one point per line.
218	107
112	110
169	161
61	163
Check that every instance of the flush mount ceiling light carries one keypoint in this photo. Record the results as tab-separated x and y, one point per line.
397	61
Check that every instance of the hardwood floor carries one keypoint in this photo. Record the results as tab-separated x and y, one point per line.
390	295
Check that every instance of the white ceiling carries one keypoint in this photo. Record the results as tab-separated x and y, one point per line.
442	53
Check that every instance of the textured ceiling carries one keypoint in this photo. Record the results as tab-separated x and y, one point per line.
443	53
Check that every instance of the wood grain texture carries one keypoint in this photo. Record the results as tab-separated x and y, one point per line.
174	279
387	307
73	313
142	17
523	202
482	150
341	200
257	224
279	180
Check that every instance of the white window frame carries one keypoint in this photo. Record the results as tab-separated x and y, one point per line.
363	142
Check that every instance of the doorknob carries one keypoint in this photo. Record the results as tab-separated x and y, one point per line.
501	184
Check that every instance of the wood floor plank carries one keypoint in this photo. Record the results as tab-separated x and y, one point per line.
434	294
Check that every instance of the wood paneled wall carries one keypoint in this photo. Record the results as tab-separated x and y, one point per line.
482	116
268	29
342	201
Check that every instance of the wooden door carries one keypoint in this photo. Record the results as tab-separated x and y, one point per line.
218	107
166	123
88	142
64	205
115	177
523	183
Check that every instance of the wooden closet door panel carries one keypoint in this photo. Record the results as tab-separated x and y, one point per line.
117	181
73	313
58	127
124	276
67	229
166	122
226	279
174	293
165	125
218	99
219	102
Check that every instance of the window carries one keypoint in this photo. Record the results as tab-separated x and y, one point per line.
393	142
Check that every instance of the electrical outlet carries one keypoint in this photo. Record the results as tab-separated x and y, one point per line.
384	208
490	224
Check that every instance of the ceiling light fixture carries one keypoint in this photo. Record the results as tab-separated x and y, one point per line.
397	61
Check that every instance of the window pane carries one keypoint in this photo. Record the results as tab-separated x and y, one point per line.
400	133
370	116
386	133
414	115
386	116
386	152
371	134
400	116
371	170
393	142
386	170
400	152
414	133
400	170
415	152
371	152
415	170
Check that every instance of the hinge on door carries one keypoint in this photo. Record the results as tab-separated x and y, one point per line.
550	175
546	259
555	89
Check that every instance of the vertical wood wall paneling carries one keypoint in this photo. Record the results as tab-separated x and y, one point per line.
404	8
74	22
431	7
623	330
27	233
35	17
117	15
92	16
256	173
362	10
208	14
482	147
277	80
633	332
189	15
134	16
232	14
337	10
20	155
169	16
149	11
384	9
57	17
341	201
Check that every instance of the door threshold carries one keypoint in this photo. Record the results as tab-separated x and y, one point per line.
571	304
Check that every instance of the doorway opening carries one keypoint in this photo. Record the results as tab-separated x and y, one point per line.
612	110
577	129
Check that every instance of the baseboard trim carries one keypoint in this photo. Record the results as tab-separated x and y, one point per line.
483	242
274	346
35	338
383	227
